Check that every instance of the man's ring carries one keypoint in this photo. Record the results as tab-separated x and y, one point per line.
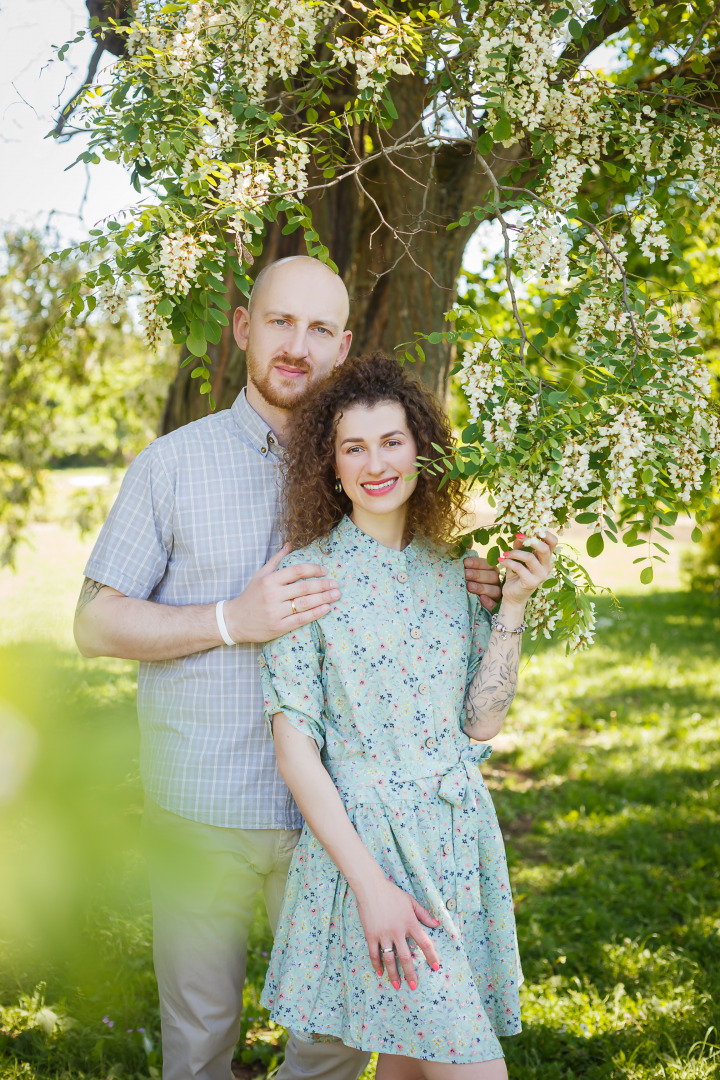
292	605
391	949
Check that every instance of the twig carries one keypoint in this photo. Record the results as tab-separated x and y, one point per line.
699	34
397	236
72	104
524	340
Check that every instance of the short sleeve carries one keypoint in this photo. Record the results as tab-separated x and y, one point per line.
480	626
132	551
291	675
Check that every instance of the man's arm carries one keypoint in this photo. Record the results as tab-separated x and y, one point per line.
108	623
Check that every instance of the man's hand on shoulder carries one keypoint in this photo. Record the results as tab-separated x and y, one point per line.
276	601
483	580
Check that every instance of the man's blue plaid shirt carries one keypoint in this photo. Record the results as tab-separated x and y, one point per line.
195	518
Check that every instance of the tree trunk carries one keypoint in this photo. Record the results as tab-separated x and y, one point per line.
401	276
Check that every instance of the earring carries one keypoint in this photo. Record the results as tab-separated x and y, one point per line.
337	486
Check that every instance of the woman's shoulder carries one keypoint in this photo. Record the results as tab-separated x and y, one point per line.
314	552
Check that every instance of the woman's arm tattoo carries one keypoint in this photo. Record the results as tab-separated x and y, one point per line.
493	687
88	592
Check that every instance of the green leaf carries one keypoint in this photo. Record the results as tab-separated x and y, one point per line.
559	17
575	29
213	332
485	144
696	535
390	106
646	575
312	116
165	307
493	555
196	345
502	129
595	545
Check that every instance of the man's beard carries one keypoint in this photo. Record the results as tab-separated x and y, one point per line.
281	397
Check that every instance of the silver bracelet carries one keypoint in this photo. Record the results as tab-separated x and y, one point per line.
497	625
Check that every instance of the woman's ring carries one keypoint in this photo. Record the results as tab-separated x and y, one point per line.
391	949
292	605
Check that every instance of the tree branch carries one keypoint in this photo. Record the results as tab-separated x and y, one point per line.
69	108
698	36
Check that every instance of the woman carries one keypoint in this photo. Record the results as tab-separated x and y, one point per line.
401	856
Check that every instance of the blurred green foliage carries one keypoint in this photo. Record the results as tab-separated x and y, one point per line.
78	390
607	790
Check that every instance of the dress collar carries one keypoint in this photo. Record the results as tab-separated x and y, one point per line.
347	533
252	428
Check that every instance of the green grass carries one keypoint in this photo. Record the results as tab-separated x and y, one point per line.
607	786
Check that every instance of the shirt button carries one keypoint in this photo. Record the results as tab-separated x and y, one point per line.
447	849
261	661
263	449
431	743
451	905
402	577
415	633
424	688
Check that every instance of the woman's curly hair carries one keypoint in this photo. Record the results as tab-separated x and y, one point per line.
311	507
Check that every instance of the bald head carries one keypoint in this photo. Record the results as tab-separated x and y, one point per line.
293	334
289	273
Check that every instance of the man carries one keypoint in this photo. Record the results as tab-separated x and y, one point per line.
184	579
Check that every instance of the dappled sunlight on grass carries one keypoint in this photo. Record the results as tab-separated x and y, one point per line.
609	793
607	784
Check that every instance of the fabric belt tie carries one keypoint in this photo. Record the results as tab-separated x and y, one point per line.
456	782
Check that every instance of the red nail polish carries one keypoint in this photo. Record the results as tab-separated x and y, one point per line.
379	972
396	986
413	986
519	536
435	966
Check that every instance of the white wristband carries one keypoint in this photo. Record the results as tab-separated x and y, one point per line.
221	623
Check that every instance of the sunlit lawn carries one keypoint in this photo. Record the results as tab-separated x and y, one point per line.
606	782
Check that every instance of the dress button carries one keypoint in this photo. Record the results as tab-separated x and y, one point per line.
415	633
424	688
447	849
431	743
451	905
263	449
261	661
402	577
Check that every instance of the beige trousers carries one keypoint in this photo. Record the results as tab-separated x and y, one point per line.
203	883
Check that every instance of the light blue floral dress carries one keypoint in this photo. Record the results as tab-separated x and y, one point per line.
379	684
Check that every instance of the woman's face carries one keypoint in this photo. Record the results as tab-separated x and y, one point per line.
374	453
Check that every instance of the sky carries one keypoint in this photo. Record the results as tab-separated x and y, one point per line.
35	189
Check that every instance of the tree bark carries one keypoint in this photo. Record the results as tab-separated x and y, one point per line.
386	229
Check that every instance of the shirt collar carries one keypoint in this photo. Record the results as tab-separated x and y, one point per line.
252	428
348	533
